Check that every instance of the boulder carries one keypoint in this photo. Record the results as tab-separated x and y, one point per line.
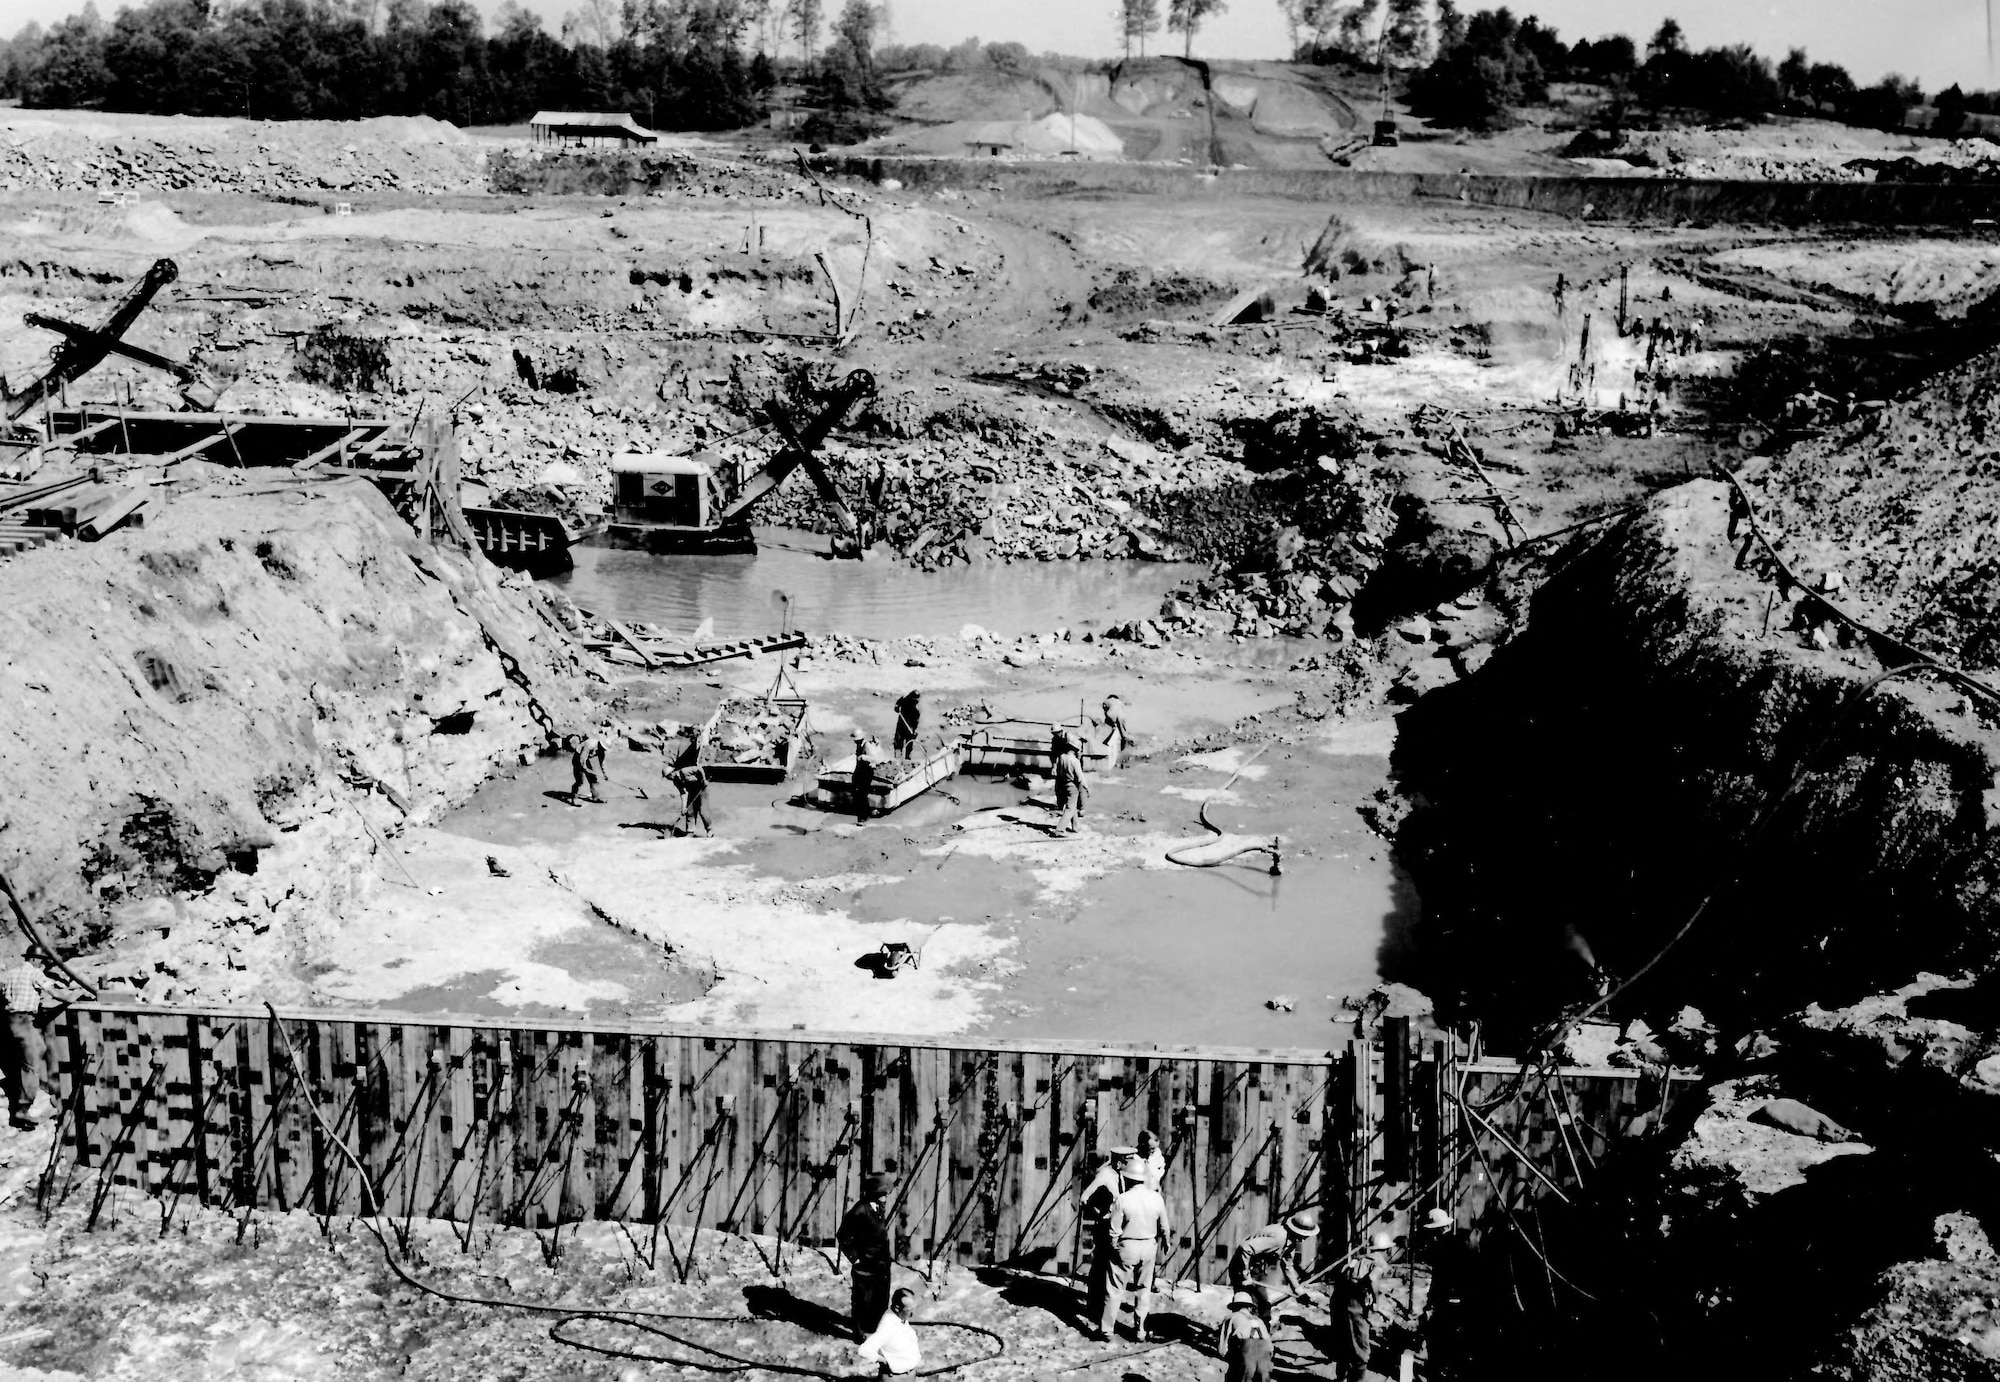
1759	1158
1962	1238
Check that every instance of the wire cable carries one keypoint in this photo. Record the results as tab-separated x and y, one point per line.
567	1315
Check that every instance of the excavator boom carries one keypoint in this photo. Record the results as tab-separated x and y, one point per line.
83	349
798	450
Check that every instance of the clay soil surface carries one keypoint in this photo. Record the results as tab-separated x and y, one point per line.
1023	933
1051	389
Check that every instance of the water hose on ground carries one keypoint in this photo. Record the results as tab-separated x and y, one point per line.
1243	844
569	1315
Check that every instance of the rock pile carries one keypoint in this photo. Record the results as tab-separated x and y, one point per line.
262	158
749	731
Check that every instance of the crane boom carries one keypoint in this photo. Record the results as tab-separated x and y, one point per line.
82	349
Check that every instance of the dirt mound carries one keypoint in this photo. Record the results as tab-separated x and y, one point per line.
281	159
954	96
260	683
1147	293
1343	249
1950	275
1901	506
1783	151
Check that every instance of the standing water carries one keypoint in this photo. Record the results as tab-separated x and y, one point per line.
878	598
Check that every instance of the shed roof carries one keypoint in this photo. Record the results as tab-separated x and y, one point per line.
619	122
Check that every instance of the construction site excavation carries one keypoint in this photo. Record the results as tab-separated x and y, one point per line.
616	746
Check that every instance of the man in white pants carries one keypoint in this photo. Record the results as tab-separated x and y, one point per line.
1138	1224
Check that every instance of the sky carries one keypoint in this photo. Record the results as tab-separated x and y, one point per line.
1937	42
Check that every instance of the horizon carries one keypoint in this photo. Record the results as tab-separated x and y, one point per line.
1935	42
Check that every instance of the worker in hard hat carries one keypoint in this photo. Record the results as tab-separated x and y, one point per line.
1445	1322
1270	1256
1138	1226
1244	1341
1071	789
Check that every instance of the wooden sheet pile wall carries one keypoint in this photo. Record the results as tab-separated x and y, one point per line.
768	1133
756	1133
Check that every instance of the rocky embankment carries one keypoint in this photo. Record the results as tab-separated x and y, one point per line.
216	720
68	151
1669	736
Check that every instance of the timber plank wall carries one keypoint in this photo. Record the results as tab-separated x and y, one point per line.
768	1132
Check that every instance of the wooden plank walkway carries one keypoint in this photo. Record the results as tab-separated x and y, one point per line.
767	1132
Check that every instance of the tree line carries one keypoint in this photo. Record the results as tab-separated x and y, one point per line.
676	64
1471	70
712	64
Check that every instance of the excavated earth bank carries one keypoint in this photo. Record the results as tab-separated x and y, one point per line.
1667	730
215	719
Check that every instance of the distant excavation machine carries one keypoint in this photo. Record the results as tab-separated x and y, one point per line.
679	504
83	348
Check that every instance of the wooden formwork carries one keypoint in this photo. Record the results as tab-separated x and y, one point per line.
753	1132
766	1133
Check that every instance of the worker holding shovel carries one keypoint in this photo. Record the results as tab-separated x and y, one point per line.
586	761
691	779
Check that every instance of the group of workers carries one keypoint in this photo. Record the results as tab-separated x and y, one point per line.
868	753
1072	790
1126	1218
683	772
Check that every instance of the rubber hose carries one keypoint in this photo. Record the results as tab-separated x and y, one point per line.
1173	855
567	1314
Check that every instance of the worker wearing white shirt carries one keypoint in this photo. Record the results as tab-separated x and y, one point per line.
1138	1224
893	1345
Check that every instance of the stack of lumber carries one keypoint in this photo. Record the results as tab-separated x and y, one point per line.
90	510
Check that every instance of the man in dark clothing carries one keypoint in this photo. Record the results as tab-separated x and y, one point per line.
864	1237
691	780
1353	1300
909	715
586	759
1442	1247
864	776
1097	1198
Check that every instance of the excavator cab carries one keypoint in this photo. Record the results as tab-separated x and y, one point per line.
675	490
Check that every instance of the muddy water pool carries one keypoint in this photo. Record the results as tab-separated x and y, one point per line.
878	598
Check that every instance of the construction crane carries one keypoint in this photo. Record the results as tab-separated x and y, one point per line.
676	504
83	348
1386	134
